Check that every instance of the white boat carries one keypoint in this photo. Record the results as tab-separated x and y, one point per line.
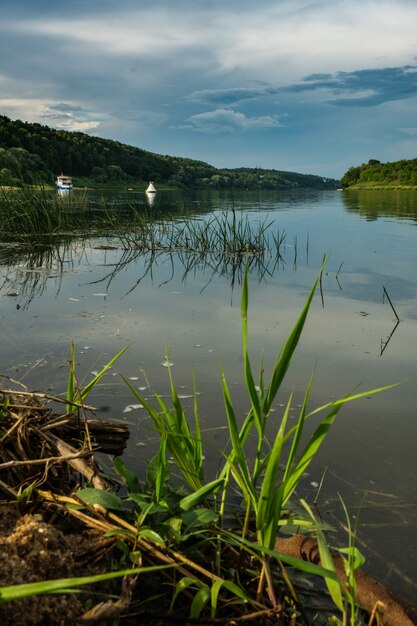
63	183
151	188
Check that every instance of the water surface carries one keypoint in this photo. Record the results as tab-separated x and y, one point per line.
104	297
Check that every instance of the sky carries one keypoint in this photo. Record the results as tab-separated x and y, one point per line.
300	85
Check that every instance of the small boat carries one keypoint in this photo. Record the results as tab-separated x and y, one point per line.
151	188
63	183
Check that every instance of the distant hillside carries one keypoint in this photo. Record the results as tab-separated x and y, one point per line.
36	153
376	174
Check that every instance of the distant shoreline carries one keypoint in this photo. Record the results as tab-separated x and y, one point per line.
380	187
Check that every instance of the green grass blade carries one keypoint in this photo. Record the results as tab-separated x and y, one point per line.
283	361
352	397
309	452
317	438
71	381
162	468
250	385
238	454
334	586
298	432
198	442
156	417
83	393
18	592
270	497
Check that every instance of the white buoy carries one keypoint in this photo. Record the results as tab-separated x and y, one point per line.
151	188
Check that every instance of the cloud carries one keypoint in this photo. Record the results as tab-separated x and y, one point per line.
366	87
58	116
279	43
61	116
228	121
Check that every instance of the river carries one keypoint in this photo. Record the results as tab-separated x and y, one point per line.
103	297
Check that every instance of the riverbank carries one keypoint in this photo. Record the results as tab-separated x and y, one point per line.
380	187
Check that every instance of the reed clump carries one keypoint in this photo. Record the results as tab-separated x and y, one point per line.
33	212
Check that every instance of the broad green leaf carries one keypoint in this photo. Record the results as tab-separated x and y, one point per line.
122	532
201	494
182	584
231	587
148	533
199	517
103	498
354	555
199	602
214	594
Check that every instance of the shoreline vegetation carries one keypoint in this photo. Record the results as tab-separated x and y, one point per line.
376	175
380	187
36	153
189	549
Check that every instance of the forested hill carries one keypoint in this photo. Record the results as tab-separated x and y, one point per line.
376	174
36	153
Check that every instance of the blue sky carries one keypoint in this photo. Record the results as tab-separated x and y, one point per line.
301	85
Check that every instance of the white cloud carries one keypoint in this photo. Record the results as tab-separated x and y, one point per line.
228	121
328	35
273	42
145	32
36	110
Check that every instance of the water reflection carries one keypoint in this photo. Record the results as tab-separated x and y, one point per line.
29	271
374	204
151	199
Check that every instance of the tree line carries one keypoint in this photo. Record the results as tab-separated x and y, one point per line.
34	153
401	173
